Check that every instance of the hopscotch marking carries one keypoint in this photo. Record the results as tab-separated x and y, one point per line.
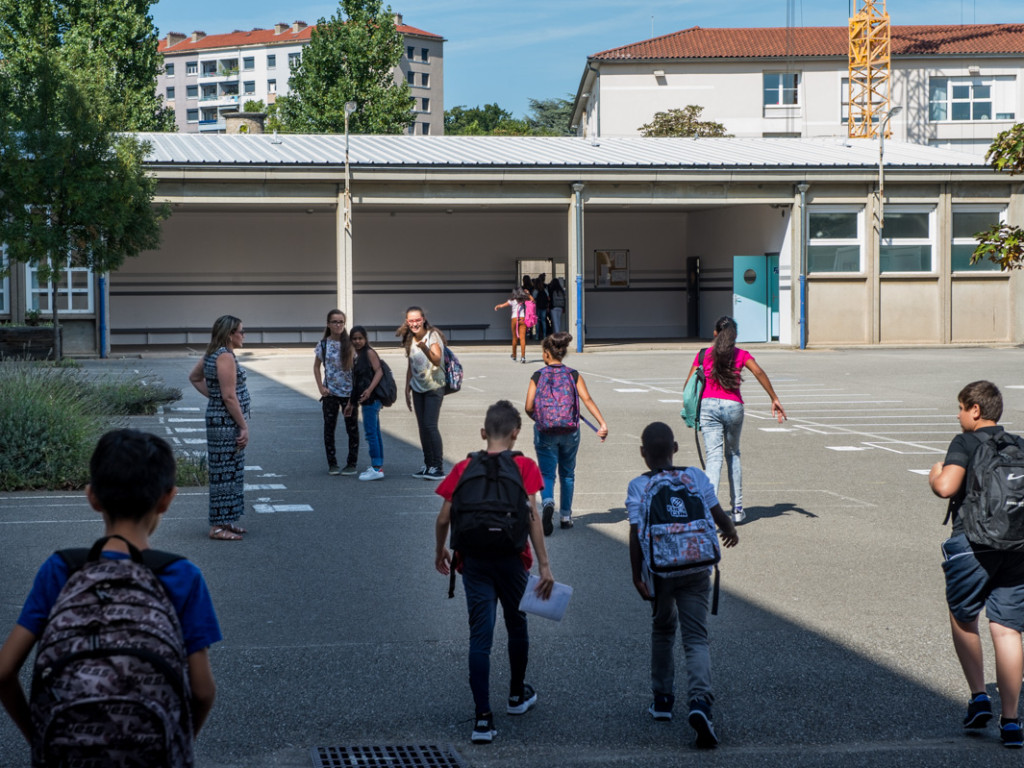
269	509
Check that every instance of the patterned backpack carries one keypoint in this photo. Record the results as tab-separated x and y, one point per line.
110	682
452	372
676	531
556	403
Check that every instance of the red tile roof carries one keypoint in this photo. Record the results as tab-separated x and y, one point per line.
263	37
770	42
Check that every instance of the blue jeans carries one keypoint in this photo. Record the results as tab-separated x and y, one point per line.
683	599
371	428
488	582
557	451
721	421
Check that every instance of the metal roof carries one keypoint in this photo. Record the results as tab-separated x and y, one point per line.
538	152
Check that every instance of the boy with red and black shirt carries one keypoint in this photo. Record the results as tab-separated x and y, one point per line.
491	579
977	577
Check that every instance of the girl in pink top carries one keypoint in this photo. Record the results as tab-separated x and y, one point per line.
721	408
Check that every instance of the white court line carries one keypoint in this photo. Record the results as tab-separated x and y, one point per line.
269	509
184	421
847	448
631	390
264	487
188	429
920	471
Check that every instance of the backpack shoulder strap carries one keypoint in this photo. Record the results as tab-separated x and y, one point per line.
154	559
74	559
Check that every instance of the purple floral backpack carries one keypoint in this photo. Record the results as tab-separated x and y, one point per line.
556	403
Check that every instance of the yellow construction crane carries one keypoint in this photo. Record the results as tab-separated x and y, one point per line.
870	69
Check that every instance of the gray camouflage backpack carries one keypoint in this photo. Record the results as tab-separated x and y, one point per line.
110	683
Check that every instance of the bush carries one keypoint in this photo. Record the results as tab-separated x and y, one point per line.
193	470
52	415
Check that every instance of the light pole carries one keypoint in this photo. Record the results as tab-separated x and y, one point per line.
881	167
344	267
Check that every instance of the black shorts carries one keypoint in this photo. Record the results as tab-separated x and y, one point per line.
984	578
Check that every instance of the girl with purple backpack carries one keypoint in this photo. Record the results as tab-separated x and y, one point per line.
553	402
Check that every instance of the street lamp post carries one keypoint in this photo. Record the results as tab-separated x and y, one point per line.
881	167
344	267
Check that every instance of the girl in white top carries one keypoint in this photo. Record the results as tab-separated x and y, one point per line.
518	304
424	387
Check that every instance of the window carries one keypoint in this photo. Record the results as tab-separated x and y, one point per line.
293	60
209	92
169	69
191	91
271	86
170	93
968	222
209	115
410	52
249	62
425	79
424	55
191	67
249	86
426	105
844	100
191	115
833	239
271	61
410	77
780	89
971	98
209	69
425	128
906	241
74	291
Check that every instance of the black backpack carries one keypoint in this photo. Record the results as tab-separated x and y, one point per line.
490	506
110	681
992	510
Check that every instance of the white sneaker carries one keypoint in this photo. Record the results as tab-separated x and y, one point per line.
738	515
372	474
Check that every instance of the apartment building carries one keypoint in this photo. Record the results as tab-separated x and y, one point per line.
208	76
958	85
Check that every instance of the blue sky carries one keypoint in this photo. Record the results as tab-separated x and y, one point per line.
509	52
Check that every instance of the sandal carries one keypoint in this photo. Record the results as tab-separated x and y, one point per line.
224	533
235	529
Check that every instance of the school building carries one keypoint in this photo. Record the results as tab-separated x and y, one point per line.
657	238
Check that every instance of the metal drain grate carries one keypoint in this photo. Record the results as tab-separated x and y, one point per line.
387	756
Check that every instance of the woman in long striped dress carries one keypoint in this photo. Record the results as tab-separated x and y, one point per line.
220	378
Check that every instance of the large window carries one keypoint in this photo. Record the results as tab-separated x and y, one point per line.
293	60
170	93
248	62
271	61
907	240
191	67
833	242
191	115
781	89
169	69
191	91
971	98
844	103
74	291
967	222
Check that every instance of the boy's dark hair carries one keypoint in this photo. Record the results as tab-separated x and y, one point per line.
129	472
658	441
984	394
502	419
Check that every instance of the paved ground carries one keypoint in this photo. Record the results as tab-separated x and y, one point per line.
831	646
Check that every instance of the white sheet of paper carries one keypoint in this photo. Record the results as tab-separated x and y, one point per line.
553	608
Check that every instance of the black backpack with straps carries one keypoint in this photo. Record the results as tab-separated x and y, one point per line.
992	509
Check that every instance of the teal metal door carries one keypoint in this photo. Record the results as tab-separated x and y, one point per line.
751	300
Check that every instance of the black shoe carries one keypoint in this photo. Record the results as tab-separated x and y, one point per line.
483	729
1010	732
661	709
979	712
700	721
350	469
523	703
549	512
566	522
434	473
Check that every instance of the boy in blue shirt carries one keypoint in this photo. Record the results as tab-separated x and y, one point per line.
132	476
681	599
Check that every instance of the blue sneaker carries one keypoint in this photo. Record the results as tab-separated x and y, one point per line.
1009	730
661	709
700	721
979	712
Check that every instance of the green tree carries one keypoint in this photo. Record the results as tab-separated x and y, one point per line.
349	58
1004	243
74	191
682	122
550	117
488	120
115	40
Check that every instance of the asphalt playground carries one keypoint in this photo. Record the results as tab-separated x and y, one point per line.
831	646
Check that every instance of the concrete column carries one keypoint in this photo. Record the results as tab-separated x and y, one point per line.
344	256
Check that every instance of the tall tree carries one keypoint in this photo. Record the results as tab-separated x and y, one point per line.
115	38
682	122
351	57
550	117
74	191
488	120
1004	243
